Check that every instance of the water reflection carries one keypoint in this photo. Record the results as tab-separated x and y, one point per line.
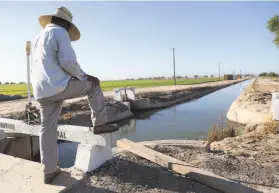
190	120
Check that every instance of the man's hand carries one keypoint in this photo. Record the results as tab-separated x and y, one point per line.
95	81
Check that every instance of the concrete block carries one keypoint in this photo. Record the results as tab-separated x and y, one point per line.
119	94
65	132
131	94
90	157
141	103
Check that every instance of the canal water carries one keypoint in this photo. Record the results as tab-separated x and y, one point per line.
190	120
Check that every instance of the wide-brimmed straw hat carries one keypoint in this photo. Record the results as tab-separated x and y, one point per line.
63	13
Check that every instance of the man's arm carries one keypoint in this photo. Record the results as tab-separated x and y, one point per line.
67	57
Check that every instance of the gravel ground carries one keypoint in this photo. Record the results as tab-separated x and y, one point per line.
256	173
129	173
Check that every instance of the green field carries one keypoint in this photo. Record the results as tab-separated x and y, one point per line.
21	89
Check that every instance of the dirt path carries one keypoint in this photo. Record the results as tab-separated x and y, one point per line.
19	105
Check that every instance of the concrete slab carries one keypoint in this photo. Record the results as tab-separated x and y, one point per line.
19	175
65	132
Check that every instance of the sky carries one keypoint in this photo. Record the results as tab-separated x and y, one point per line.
122	40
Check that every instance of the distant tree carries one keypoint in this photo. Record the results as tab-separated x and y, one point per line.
196	76
21	83
273	74
179	77
7	83
185	76
212	76
0	82
273	27
205	76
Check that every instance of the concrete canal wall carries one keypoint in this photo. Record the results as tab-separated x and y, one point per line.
253	105
146	103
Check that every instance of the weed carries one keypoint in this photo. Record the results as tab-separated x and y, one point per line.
271	127
217	133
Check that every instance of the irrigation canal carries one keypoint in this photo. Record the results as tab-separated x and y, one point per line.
190	120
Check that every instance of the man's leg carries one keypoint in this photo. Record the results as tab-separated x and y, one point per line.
77	88
97	105
48	134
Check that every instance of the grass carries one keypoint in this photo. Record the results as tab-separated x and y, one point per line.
217	133
21	89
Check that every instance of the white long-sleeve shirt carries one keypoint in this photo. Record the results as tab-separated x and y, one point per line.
54	62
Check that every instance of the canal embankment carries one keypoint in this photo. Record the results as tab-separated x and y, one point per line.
253	156
253	105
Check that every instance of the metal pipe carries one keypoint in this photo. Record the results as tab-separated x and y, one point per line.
28	47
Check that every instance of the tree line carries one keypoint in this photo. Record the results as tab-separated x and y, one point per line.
273	74
12	83
165	78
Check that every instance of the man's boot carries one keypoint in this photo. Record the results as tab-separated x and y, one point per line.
106	128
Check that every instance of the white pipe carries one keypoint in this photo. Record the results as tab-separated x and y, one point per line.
28	45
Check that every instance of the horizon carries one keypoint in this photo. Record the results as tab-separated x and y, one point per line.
147	78
124	40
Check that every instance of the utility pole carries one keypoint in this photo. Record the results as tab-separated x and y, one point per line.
219	71
173	57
